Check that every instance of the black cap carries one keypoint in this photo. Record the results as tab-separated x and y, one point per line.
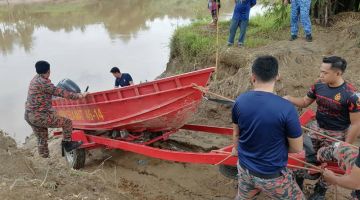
115	70
42	67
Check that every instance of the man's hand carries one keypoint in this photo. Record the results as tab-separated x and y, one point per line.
329	177
234	152
286	2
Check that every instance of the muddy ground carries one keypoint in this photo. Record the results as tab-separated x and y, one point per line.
115	174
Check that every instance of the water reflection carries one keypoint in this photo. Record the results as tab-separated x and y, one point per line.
121	19
82	40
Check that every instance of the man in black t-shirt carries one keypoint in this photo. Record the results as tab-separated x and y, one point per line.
121	79
349	161
338	107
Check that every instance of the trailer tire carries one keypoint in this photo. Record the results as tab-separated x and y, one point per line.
229	171
75	158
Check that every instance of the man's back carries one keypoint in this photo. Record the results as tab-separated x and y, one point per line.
265	121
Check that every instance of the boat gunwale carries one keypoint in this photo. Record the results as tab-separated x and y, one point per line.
123	99
77	102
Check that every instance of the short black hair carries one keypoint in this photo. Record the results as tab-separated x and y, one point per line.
115	70
336	62
265	68
42	67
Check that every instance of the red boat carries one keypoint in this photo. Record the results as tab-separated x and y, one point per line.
148	113
160	105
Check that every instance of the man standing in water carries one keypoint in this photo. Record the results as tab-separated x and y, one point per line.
266	128
121	79
337	108
39	113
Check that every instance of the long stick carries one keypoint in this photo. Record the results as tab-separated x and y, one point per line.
336	192
217	40
328	137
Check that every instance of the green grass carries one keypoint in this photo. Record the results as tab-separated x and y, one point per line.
197	42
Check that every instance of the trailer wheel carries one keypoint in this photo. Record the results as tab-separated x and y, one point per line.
229	171
75	158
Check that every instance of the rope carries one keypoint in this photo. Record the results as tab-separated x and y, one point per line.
303	162
225	159
205	91
305	168
328	137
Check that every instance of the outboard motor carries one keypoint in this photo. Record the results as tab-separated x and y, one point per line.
69	85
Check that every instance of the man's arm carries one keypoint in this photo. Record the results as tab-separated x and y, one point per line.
295	144
354	129
294	132
49	88
236	133
301	102
351	181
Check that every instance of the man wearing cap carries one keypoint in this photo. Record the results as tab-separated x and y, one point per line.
121	79
39	113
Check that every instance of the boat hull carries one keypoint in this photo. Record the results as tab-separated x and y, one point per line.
164	104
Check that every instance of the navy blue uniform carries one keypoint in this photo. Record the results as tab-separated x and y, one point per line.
265	121
124	80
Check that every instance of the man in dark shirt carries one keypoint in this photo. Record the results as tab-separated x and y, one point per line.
338	108
121	79
266	128
240	20
349	161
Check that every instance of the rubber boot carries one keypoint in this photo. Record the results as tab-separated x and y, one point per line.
319	193
71	145
355	194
